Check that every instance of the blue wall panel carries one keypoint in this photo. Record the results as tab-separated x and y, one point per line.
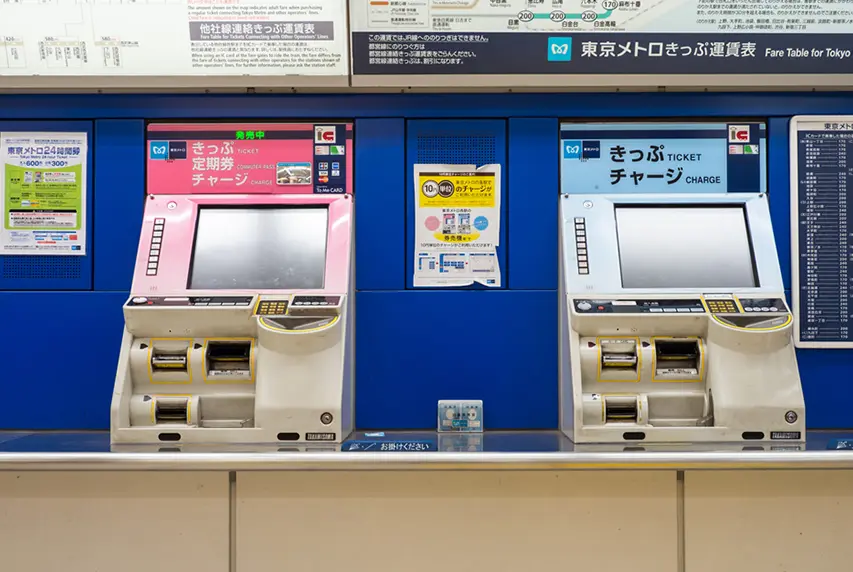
27	272
534	185
477	142
404	336
416	347
59	351
380	205
119	200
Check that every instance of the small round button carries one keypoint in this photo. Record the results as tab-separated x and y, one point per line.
584	306
747	309
765	309
774	309
139	300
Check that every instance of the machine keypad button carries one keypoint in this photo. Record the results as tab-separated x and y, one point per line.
774	309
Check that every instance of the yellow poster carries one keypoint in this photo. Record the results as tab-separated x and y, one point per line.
458	225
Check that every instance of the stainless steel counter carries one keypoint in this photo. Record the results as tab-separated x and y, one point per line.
415	451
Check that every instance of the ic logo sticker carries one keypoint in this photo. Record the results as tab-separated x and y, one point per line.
429	189
738	133
324	135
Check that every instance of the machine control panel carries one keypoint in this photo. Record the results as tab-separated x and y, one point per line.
272	308
315	305
657	306
187	301
751	305
722	306
580	245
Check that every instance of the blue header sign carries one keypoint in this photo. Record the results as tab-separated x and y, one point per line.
821	233
663	158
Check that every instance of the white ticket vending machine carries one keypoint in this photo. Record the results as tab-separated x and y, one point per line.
674	324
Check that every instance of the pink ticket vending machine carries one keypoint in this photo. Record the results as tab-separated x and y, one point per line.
239	326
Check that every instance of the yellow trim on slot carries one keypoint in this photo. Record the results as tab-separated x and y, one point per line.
189	397
701	359
317	329
774	328
639	358
251	361
617	394
189	361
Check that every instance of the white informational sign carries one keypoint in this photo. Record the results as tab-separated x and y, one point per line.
457	225
173	37
43	193
460	16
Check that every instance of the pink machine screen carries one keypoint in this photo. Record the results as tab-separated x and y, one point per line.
246	207
249	158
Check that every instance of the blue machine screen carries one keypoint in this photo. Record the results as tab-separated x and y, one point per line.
663	158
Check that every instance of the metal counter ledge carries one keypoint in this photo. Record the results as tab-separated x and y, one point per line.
91	451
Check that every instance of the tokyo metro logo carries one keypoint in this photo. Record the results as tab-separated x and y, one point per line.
560	49
159	150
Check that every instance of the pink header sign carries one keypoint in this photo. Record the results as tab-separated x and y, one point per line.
249	158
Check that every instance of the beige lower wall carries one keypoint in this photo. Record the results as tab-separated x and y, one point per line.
736	521
114	522
768	521
427	521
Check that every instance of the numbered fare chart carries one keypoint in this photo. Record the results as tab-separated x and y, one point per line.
822	179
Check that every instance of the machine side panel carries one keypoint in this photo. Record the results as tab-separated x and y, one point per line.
419	347
29	272
120	197
60	358
778	193
533	180
564	340
456	142
381	205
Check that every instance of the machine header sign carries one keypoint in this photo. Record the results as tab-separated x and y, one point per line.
662	158
281	158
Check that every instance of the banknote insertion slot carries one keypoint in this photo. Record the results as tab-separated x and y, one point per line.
620	354
171	411
169	359
677	357
620	409
232	358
